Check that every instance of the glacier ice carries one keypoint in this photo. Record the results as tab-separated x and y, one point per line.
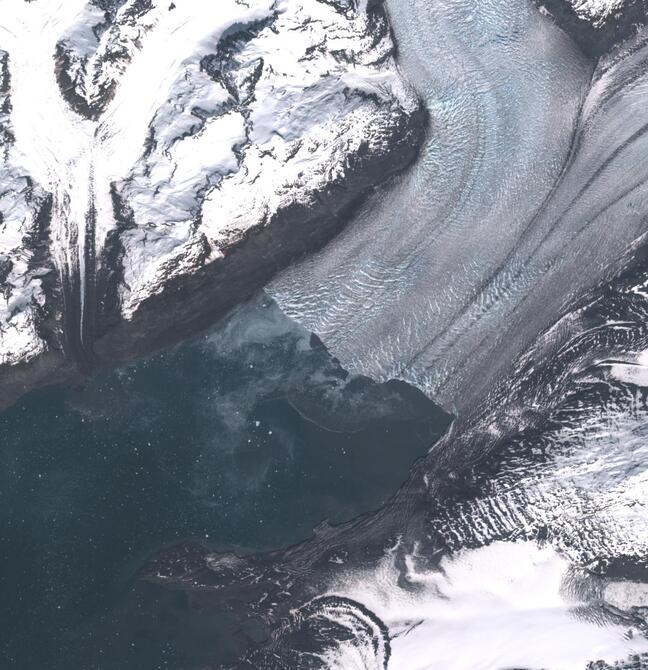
162	160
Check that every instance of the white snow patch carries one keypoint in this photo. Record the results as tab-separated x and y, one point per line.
501	606
308	113
596	11
168	135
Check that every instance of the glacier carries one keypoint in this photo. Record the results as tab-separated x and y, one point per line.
168	158
505	275
526	548
174	158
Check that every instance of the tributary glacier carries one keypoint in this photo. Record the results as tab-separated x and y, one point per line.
323	334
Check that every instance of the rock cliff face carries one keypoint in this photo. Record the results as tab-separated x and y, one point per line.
597	25
161	161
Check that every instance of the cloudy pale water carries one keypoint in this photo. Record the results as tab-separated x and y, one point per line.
139	513
233	440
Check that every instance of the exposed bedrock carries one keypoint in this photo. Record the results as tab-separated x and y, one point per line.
474	296
576	480
179	304
162	161
501	208
597	26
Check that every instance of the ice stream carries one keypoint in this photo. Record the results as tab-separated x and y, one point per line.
531	167
484	277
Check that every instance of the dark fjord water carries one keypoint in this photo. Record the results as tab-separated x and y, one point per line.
518	542
247	437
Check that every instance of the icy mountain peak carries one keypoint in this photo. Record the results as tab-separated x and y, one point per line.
151	138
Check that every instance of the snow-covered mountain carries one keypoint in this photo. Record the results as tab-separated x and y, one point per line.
161	160
597	25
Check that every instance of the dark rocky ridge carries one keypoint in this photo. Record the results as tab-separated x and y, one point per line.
470	491
190	303
74	86
194	302
81	323
597	37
